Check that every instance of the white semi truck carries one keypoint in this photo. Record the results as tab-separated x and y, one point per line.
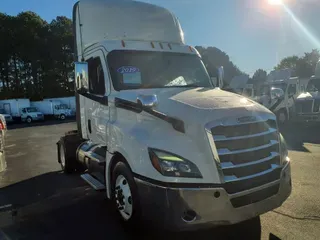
307	104
292	99
155	134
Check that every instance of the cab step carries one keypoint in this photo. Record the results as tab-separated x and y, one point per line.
93	182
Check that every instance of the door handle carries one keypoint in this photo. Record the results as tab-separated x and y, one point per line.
89	125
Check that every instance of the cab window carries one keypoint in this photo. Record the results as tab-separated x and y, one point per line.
96	76
292	89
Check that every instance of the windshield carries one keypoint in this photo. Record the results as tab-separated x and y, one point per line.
62	106
266	88
32	109
144	69
282	86
313	85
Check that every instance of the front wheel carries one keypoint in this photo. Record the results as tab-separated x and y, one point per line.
125	196
62	117
29	120
282	117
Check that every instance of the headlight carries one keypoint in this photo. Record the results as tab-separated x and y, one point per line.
171	165
283	150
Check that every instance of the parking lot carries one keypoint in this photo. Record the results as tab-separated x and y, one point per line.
51	205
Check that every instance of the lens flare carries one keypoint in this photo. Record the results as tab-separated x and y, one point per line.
275	2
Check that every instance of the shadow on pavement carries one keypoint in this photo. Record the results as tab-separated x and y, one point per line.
38	188
56	206
36	124
297	135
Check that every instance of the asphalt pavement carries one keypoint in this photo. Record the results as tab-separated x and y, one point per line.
37	201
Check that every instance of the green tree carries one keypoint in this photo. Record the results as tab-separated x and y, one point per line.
260	75
302	66
214	57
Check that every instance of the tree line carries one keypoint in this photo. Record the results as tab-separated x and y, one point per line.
36	58
303	66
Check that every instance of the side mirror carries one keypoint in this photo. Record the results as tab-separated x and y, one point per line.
148	101
220	76
81	76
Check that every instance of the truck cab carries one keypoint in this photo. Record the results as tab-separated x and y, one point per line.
62	111
279	96
7	117
165	144
308	102
30	114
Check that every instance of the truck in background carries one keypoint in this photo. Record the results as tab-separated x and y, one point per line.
30	114
6	116
54	109
69	101
155	134
286	96
13	107
307	104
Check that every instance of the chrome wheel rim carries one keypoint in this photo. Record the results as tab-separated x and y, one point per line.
123	197
29	120
62	117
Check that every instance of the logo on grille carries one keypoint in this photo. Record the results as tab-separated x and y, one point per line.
247	119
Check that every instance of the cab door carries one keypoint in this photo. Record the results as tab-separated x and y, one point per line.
291	95
96	101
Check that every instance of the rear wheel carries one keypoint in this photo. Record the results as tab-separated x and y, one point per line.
29	120
125	196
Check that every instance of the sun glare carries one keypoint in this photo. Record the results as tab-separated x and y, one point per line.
275	2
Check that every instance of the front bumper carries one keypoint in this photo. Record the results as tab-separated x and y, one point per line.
168	206
312	117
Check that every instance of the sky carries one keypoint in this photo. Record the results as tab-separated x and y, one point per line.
254	33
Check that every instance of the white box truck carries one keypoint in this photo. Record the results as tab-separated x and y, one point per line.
13	106
20	109
54	109
164	143
69	101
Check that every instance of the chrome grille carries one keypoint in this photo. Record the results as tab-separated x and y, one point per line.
304	106
316	106
248	154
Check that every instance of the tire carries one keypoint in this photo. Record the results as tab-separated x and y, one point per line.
282	117
62	117
122	179
68	146
67	162
29	120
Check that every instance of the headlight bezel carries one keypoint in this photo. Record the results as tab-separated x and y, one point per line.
173	163
284	153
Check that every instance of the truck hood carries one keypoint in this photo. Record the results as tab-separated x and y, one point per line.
309	95
200	105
